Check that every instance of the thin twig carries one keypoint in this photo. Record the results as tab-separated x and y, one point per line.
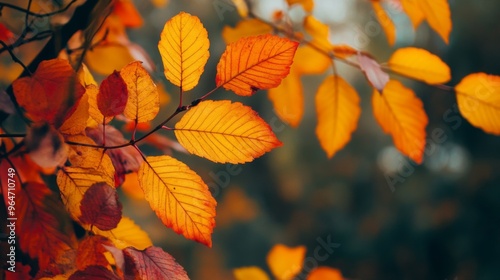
37	15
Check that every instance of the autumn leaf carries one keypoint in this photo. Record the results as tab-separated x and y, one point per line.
44	231
94	272
412	9
224	132
152	263
96	117
338	110
288	99
126	234
100	207
77	122
128	14
241	7
421	65
91	252
478	98
57	92
285	262
325	273
308	5
245	28
377	77
253	63
438	15
309	61
184	50
143	99
5	33
113	95
46	146
385	21
319	32
179	197
401	114
250	273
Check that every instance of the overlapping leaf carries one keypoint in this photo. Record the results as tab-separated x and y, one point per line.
436	12
179	197
401	114
113	95
91	251
478	97
100	207
256	62
223	132
152	263
126	234
245	28
288	100
421	65
338	110
184	50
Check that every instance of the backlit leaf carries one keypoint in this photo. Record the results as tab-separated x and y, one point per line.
325	273
421	65
253	63
91	251
245	28
319	32
385	21
309	61
223	132
412	9
250	273
478	98
128	14
57	92
100	207
152	263
338	110
288	99
77	122
143	99
112	96
126	234
285	262
400	113
184	50
96	117
438	15
179	197
108	57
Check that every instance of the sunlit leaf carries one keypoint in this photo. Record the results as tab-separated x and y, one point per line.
325	273
223	132
108	57
438	15
400	113
288	99
309	61
113	95
412	9
128	14
184	50
91	251
308	5
179	197
319	32
143	99
245	28
385	21
250	273
126	234
100	207
253	63
478	98
421	65
77	122
152	263
338	110
285	262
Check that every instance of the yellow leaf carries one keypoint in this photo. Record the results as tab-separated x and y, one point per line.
325	273
308	5
288	100
250	273
337	106
412	9
478	98
309	61
421	65
253	63
223	132
160	3
286	262
83	156
438	15
108	57
319	32
184	50
245	28
131	187
96	117
401	113
385	21
85	76
77	122
73	182
242	7
126	234
179	197
143	99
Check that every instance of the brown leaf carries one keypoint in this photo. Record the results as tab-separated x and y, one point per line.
152	263
100	207
94	272
46	146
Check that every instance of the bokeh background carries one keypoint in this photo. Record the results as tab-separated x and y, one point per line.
439	220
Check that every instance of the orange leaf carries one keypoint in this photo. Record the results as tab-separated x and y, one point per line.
77	122
310	61
152	263
126	234
438	15
325	273
478	98
143	99
184	50
319	32
179	197
100	207
44	230
385	21
253	63
129	16
288	100
245	28
108	57
338	109
95	114
94	272
91	251
401	114
250	273
286	262
223	132
421	65
51	93
242	7
113	95
412	9
308	5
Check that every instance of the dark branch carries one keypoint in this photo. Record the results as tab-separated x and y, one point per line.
33	14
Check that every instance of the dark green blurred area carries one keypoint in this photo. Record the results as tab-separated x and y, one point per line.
441	220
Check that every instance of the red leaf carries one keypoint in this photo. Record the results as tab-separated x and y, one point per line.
113	95
5	33
94	272
91	252
152	263
100	207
